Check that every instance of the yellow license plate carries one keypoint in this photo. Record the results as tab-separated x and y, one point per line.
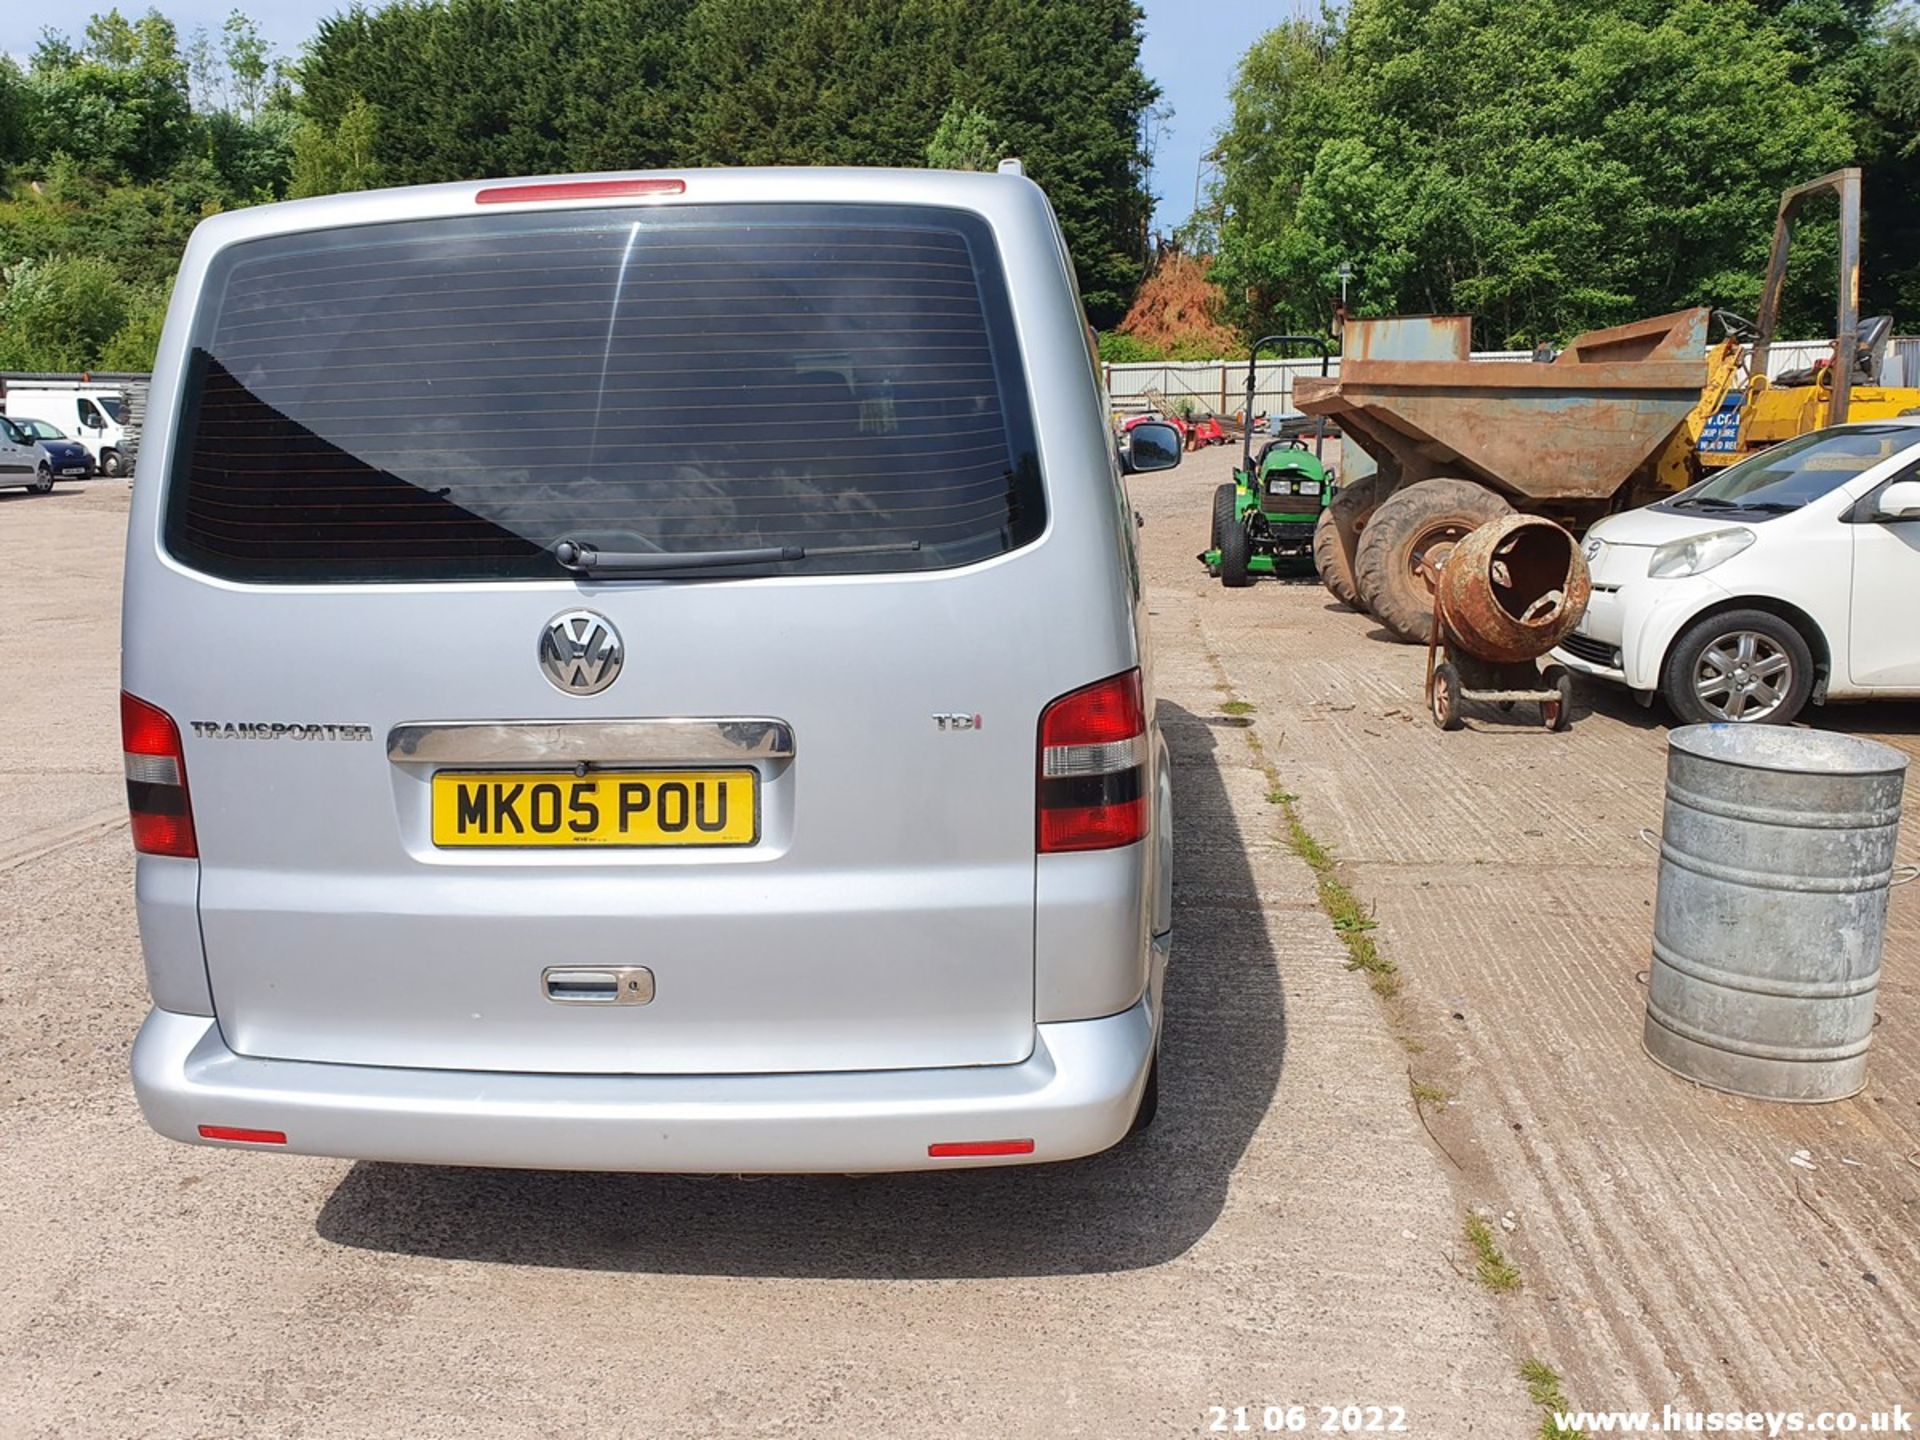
608	808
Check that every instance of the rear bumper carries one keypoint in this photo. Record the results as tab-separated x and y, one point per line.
1074	1096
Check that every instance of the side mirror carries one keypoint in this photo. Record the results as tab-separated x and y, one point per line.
1899	501
1150	445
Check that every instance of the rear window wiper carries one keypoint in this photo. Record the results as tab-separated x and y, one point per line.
584	559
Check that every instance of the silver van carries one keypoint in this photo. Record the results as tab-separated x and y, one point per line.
644	673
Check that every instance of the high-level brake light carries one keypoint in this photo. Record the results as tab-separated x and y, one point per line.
156	780
1093	765
577	190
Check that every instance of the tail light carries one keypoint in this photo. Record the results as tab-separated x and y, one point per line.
156	780
1093	765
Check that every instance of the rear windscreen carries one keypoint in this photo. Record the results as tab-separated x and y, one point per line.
448	399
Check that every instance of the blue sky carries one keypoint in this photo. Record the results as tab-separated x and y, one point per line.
1190	50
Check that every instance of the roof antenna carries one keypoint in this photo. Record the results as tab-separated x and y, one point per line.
1012	166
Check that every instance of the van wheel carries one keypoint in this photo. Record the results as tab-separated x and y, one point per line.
1745	666
1236	548
1149	1097
110	465
42	481
1414	528
1336	535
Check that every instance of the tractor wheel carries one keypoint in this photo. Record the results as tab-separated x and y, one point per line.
1421	523
1236	549
1222	522
1336	535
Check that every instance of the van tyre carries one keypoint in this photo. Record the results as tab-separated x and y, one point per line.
1423	522
42	480
110	464
1336	535
1222	521
1236	549
1745	666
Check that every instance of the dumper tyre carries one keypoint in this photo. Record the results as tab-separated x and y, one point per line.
1332	562
1236	549
1421	522
1336	535
1222	520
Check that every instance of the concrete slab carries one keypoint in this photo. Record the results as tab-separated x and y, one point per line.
1671	1252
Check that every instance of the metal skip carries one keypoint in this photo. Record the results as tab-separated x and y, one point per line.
1776	856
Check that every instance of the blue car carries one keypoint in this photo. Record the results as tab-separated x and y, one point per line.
66	459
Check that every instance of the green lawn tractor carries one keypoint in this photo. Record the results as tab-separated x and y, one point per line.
1263	522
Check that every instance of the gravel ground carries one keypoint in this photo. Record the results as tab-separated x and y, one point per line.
1286	1233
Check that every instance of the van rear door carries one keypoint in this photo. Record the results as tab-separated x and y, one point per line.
450	792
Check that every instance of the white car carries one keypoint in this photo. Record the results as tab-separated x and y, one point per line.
1784	579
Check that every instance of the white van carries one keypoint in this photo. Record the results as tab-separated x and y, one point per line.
94	415
648	673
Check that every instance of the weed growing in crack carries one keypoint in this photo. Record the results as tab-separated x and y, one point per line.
1490	1264
1543	1388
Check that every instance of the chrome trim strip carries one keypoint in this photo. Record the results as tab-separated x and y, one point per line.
594	742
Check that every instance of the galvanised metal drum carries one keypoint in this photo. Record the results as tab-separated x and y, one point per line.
1776	855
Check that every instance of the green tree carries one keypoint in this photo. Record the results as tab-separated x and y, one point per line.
59	313
117	103
132	346
1119	348
249	63
963	140
16	114
472	88
1549	165
331	160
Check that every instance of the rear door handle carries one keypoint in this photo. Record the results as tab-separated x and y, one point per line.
597	984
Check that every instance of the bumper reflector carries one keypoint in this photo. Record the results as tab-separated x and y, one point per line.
956	1149
243	1136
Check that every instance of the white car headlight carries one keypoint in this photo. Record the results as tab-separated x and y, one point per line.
1697	554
